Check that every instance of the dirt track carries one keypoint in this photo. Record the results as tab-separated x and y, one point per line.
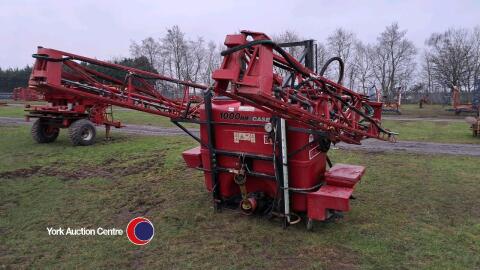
367	145
372	145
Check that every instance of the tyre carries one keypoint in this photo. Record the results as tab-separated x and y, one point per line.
82	132
44	133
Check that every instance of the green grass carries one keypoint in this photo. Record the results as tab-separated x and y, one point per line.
124	115
429	131
142	118
443	132
428	111
411	212
12	111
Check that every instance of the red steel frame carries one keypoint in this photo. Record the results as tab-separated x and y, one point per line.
247	74
26	94
458	107
76	90
389	105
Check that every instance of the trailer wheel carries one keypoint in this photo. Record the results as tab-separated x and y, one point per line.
82	132
44	133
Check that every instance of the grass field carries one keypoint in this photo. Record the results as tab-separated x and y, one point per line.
12	111
412	211
428	111
124	115
444	132
430	131
141	118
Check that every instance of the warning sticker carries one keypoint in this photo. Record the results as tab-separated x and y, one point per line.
315	151
246	108
267	139
242	136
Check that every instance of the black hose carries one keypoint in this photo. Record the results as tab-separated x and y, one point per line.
246	45
341	68
46	57
275	46
303	71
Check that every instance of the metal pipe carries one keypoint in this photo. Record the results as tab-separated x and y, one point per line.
286	197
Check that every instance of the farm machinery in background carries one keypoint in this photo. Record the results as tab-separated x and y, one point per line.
266	124
458	107
474	107
390	103
80	96
26	94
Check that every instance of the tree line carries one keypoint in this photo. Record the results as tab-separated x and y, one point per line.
177	56
390	64
14	77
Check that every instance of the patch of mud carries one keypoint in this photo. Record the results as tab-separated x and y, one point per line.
372	145
111	169
138	202
21	173
125	214
333	258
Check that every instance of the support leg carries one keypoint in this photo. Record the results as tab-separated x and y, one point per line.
107	133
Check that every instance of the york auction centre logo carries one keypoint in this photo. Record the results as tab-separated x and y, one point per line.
140	231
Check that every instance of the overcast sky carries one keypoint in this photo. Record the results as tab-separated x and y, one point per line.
105	28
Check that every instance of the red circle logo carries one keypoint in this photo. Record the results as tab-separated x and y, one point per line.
140	231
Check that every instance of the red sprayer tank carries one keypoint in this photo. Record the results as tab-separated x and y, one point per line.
265	133
247	134
266	124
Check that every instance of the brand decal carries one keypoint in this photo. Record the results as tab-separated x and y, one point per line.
260	119
233	115
239	116
140	231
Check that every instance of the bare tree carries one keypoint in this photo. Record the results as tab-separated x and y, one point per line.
174	43
426	72
148	48
179	57
341	43
290	36
393	60
455	57
193	59
363	75
212	62
321	56
476	53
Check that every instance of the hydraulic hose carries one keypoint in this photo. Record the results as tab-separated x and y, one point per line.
46	57
304	71
324	68
341	68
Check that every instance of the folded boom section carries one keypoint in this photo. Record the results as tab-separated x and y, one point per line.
250	73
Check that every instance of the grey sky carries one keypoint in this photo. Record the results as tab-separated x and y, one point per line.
104	29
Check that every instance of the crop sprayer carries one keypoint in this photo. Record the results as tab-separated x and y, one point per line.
266	123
